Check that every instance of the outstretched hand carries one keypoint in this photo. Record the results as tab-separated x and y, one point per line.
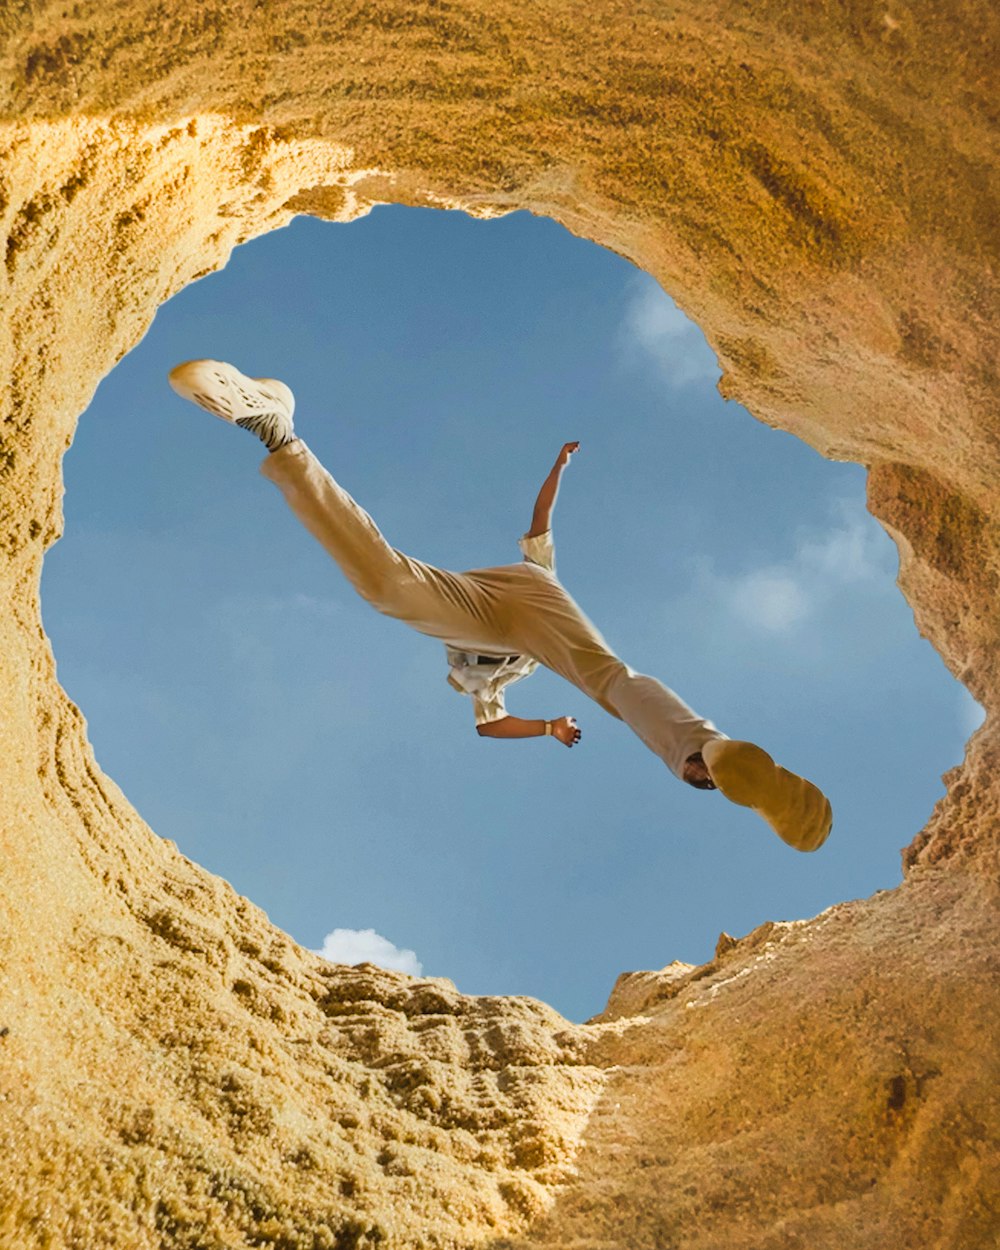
562	460
566	731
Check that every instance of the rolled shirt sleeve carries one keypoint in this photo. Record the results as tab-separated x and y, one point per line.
485	684
486	710
539	549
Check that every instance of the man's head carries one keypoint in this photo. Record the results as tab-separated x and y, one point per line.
696	773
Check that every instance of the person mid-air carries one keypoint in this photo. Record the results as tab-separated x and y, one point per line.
498	624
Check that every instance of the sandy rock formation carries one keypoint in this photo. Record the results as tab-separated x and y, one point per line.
816	185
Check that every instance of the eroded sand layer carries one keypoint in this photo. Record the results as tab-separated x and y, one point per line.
818	189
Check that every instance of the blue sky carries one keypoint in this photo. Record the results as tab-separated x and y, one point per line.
310	751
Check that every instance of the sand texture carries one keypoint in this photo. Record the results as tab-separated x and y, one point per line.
817	186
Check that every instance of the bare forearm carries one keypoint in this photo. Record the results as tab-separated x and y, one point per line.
512	727
564	729
541	518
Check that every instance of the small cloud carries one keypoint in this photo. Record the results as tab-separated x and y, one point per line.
361	946
770	599
780	596
856	550
655	329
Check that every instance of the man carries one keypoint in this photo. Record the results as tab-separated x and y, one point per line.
498	624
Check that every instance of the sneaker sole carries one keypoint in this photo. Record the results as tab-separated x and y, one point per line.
798	812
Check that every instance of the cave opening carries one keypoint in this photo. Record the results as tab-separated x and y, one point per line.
309	751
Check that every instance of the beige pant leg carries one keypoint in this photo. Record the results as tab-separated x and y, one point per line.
329	513
439	603
550	626
661	718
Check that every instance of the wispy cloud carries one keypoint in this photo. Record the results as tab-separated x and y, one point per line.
360	946
240	607
655	331
771	599
781	596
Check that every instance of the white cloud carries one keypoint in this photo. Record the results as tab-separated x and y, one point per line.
770	599
654	329
779	597
360	946
855	551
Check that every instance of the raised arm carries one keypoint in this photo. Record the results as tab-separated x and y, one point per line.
541	518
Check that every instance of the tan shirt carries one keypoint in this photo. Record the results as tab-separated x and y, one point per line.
485	678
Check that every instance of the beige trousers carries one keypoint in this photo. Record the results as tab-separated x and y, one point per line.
512	609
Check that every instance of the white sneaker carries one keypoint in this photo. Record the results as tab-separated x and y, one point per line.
264	406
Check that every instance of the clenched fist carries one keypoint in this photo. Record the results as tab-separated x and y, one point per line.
562	460
566	731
